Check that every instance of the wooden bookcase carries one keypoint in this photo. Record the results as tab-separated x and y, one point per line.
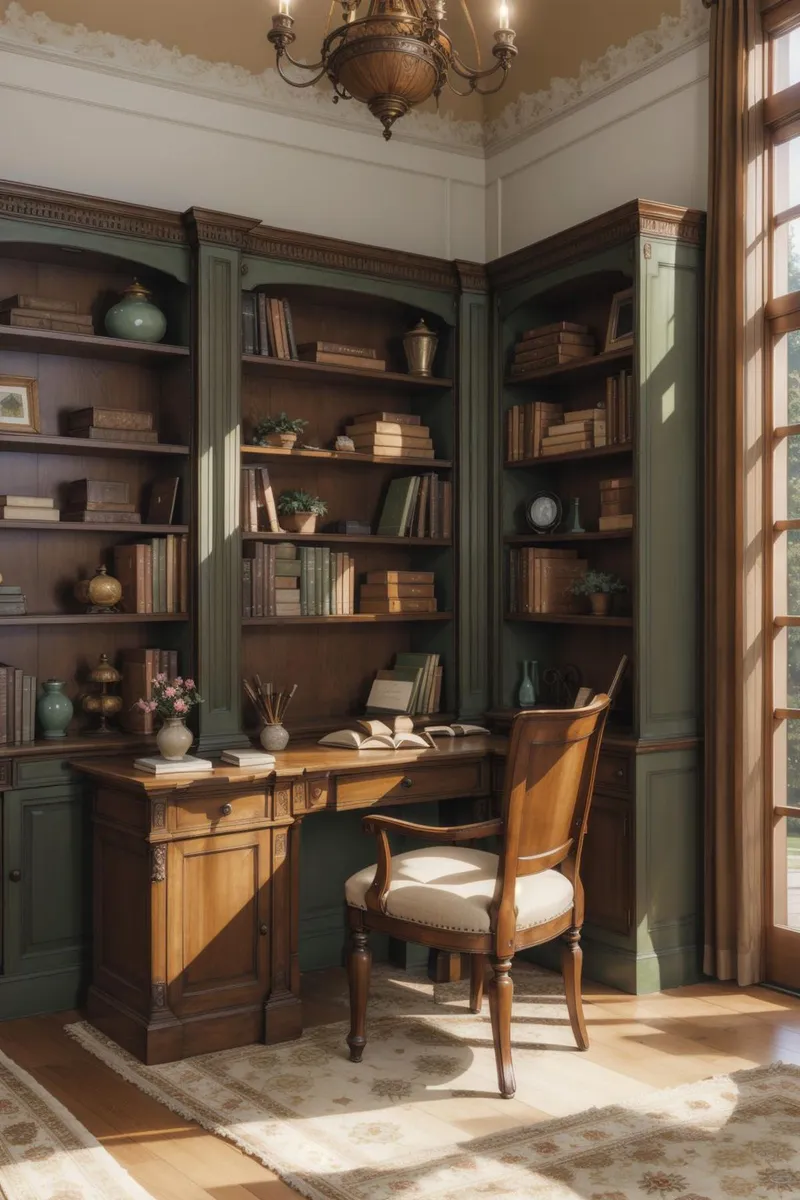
640	865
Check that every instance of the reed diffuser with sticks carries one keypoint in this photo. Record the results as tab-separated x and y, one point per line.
270	706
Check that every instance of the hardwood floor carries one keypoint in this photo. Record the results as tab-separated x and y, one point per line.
661	1041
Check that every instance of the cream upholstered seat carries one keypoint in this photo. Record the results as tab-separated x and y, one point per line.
451	887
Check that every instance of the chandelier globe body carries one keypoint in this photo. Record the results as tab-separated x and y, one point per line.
391	59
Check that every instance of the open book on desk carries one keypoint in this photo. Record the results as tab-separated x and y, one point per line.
378	736
457	729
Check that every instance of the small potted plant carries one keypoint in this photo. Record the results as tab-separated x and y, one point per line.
599	586
300	510
278	431
172	700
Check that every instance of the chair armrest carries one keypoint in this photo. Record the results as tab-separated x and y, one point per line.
433	833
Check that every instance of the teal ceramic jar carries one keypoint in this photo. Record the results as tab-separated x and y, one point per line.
54	709
135	317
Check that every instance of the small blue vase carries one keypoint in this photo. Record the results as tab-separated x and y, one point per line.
54	709
528	689
135	318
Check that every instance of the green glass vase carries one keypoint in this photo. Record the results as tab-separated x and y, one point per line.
54	709
135	318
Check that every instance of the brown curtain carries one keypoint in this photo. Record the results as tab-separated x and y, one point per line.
735	641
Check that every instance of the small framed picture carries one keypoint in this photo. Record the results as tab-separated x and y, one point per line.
620	322
19	405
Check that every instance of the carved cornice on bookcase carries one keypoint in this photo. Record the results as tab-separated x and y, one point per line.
336	255
599	233
89	212
473	277
220	229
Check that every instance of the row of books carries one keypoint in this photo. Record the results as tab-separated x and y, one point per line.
540	580
13	602
139	669
412	685
619	406
576	430
17	706
616	504
541	428
43	312
283	581
417	506
398	592
268	330
154	574
96	502
552	346
391	435
258	510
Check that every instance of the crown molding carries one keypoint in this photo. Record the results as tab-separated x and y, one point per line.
89	212
222	229
637	218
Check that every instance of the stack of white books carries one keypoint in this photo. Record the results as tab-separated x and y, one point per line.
248	758
188	765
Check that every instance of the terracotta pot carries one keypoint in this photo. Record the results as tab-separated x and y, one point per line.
299	522
601	603
285	441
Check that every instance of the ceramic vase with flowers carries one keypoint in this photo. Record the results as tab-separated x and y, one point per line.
172	700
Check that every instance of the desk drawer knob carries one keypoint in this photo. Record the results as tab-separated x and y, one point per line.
620	773
15	876
263	930
226	810
406	783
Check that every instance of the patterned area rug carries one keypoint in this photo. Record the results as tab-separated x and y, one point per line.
420	1117
45	1154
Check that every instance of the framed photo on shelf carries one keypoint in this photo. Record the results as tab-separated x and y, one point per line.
620	321
19	405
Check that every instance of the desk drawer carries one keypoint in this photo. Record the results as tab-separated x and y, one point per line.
407	784
613	772
219	811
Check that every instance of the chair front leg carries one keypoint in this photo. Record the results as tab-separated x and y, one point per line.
477	979
572	970
359	965
501	995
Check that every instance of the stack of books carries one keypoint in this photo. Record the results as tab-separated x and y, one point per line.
552	346
188	765
391	435
42	312
154	574
112	425
258	502
527	425
582	429
412	685
248	758
398	592
267	327
338	355
539	580
619	402
279	581
139	669
99	502
616	504
28	508
12	600
17	706
417	506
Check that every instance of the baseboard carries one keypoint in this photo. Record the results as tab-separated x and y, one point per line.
35	995
618	967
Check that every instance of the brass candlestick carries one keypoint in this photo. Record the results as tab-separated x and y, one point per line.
103	703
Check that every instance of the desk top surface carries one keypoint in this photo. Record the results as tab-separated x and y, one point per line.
305	758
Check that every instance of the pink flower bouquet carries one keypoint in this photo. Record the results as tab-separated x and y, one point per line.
171	697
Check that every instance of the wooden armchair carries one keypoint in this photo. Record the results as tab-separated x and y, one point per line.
454	898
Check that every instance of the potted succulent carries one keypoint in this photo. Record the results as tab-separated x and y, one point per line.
299	511
599	586
278	431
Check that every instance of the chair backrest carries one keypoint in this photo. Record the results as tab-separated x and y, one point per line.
549	779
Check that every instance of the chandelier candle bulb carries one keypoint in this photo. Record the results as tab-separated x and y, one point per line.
504	17
283	8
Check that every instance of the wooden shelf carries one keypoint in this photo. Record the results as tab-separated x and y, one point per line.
349	457
352	619
93	618
89	527
82	744
573	456
82	345
572	619
346	539
541	539
37	443
585	368
293	368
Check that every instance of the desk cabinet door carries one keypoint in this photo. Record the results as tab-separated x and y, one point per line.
46	893
606	866
218	921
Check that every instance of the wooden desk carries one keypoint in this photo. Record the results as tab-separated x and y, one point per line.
195	925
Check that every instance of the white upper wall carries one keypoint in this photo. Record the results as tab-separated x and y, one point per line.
102	115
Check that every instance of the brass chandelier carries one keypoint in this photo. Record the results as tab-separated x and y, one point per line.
396	56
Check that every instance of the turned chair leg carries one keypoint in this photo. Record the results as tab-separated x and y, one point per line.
501	994
572	969
477	978
359	964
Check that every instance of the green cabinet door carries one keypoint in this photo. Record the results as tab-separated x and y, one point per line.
46	886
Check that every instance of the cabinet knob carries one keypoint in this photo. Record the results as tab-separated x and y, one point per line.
15	876
620	773
226	810
263	930
406	783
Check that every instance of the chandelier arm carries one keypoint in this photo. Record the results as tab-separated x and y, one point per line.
491	91
468	73
302	67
